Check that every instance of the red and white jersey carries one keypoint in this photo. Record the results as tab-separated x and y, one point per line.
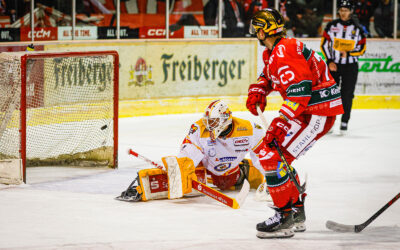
222	156
302	78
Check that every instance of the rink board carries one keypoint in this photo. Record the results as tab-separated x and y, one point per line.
238	103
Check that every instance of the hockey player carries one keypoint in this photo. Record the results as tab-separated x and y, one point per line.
217	145
311	102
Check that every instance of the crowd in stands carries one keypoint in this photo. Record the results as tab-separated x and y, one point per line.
304	18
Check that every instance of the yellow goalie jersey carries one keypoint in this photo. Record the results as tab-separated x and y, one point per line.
222	156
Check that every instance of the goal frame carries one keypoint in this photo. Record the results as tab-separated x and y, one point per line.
23	103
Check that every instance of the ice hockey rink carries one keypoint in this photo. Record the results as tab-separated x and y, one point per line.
349	178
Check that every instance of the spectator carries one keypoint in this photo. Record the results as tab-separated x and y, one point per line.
288	9
306	23
2	7
383	19
309	17
233	17
364	10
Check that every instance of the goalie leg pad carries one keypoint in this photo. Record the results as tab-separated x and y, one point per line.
153	183
255	178
251	173
181	172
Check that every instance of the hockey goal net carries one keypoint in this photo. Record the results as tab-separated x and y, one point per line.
57	109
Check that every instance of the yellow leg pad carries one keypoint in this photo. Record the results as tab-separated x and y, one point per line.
153	184
255	177
181	172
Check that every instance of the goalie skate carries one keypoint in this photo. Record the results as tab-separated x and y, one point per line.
130	195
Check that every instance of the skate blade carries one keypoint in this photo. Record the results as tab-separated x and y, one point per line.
299	227
283	233
127	199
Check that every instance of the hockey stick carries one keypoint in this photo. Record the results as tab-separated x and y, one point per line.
358	228
234	203
288	169
131	152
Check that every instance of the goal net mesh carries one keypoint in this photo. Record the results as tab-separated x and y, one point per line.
69	104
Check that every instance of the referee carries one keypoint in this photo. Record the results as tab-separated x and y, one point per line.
342	43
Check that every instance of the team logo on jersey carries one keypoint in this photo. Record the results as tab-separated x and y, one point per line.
212	152
280	50
193	129
222	167
243	141
225	159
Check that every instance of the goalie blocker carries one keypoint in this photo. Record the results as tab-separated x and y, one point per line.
176	180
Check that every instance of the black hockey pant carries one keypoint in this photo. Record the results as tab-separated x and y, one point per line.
346	77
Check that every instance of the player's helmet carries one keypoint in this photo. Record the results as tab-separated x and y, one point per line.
217	118
345	4
269	20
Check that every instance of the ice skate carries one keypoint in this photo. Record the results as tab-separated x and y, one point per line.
299	215
278	226
133	193
343	128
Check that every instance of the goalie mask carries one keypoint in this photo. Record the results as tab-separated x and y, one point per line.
217	118
269	20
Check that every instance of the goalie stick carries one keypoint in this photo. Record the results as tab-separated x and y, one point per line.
300	188
234	203
334	226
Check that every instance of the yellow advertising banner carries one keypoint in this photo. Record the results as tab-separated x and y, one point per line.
169	69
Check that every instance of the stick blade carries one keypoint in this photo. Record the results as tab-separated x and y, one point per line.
241	196
337	227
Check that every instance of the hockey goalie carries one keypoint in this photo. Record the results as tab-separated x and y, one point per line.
215	147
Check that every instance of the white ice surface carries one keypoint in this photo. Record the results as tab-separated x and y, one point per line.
349	178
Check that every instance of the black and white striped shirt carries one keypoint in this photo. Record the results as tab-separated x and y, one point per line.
343	36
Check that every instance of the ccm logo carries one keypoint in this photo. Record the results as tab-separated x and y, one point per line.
157	32
40	34
281	125
241	141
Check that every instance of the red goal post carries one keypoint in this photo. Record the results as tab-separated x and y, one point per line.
57	109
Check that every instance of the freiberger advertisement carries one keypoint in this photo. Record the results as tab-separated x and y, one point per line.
181	68
66	79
